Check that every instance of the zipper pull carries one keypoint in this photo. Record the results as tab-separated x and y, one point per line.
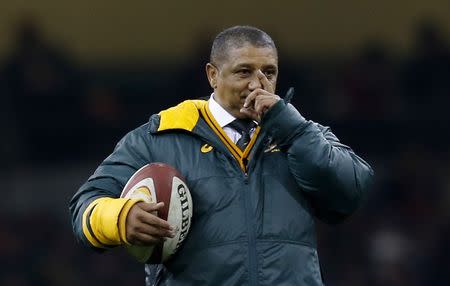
245	177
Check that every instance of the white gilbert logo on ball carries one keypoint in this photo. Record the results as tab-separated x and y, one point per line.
181	209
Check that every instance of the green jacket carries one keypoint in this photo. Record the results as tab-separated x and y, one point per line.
253	221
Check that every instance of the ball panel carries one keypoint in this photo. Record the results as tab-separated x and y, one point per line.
138	176
144	190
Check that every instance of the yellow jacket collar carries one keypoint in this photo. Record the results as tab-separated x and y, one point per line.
183	116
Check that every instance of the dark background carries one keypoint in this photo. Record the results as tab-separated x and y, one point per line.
75	78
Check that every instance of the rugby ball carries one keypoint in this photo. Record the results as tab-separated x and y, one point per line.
159	182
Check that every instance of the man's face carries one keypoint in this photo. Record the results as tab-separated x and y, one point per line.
236	77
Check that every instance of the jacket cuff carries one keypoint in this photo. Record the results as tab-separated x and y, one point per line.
282	120
101	221
123	219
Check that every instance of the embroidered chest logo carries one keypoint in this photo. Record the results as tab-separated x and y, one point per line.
272	148
206	148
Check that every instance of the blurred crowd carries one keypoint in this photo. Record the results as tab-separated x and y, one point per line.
391	109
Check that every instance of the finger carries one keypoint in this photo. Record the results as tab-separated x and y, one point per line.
155	221
251	97
151	207
250	113
264	103
267	85
259	104
154	231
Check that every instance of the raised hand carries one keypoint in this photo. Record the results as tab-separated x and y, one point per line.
259	101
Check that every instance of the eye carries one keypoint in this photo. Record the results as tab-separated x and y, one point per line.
269	73
243	72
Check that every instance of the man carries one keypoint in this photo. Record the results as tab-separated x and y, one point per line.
257	170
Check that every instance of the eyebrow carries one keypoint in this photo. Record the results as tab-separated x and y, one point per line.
244	65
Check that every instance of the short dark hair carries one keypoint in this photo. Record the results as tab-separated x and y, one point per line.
236	37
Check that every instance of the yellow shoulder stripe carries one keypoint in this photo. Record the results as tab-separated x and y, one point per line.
183	116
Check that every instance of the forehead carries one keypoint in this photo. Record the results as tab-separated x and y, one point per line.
251	55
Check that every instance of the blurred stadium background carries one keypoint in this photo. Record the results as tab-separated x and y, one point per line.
76	76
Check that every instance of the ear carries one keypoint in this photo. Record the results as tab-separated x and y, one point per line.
212	73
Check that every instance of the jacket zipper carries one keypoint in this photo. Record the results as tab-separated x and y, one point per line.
253	268
251	230
251	235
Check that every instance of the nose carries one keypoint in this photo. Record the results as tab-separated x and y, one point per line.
254	82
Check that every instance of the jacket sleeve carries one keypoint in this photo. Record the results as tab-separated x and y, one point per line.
332	176
98	214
